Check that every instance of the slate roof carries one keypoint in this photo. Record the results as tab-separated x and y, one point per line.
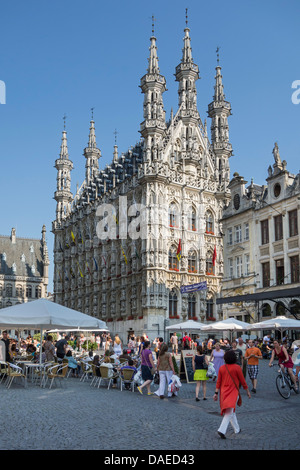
22	258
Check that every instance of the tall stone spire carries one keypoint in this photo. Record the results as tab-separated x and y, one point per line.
64	165
219	110
153	84
186	74
92	155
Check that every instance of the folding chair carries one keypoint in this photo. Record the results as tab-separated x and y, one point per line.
104	371
14	372
126	378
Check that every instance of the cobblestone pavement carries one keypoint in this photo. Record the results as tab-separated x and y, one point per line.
81	417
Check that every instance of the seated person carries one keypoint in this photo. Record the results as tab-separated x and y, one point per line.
37	356
129	366
73	364
111	369
96	362
124	356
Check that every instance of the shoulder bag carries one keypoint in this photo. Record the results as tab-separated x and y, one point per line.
239	402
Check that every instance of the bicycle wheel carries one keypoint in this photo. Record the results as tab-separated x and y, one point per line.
283	386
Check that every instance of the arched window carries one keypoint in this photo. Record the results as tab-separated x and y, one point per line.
173	260
173	301
191	219
29	292
280	309
266	310
38	292
191	306
192	262
209	264
295	307
209	223
8	290
173	216
19	291
209	309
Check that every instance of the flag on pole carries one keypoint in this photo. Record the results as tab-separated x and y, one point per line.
87	267
66	275
124	254
214	256
178	254
96	265
73	237
72	273
104	260
80	270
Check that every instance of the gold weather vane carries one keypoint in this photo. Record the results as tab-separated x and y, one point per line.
153	19
116	133
218	56
64	119
186	17
92	109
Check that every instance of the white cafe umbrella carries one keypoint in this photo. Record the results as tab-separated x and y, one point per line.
189	325
43	315
230	324
278	323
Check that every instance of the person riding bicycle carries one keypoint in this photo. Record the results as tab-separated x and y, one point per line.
284	361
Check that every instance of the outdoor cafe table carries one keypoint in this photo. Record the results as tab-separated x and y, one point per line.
29	367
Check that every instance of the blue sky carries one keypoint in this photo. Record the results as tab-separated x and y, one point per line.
68	56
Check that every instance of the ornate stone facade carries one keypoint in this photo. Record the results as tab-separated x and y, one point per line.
175	184
261	245
24	268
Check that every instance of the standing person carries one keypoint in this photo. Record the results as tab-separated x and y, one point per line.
103	339
252	355
238	353
61	347
98	341
141	345
147	368
200	371
165	368
229	379
174	342
131	344
49	349
117	345
243	347
217	357
6	341
186	341
284	361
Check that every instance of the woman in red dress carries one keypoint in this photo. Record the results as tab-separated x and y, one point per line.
230	378
284	360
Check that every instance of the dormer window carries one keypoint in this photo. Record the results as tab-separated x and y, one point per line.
277	190
236	201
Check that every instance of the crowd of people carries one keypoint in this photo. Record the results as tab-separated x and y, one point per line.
230	361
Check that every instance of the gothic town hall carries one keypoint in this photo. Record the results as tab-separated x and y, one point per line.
177	178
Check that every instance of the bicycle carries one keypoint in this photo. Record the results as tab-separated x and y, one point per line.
284	383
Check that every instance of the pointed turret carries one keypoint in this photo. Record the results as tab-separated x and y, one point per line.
92	155
187	73
64	165
219	110
153	84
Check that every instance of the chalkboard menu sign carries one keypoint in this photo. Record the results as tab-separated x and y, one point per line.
186	365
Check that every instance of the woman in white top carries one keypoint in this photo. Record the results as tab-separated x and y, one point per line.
117	345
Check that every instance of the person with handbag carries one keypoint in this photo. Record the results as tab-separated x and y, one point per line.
147	368
165	368
230	378
200	366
